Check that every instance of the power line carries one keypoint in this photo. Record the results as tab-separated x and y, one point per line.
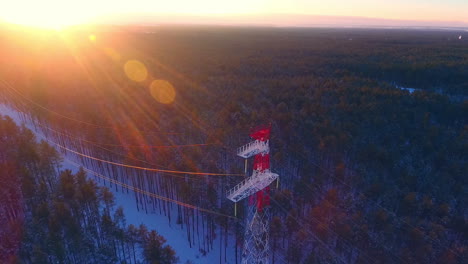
124	146
329	229
125	156
96	144
10	87
354	222
150	194
144	168
152	146
313	235
380	206
138	190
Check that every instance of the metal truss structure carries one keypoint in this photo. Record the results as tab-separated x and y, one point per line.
256	240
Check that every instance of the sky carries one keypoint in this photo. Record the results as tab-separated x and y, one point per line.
278	12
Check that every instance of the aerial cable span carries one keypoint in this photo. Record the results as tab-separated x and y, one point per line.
362	194
49	110
10	87
288	213
330	230
125	156
144	168
124	146
137	167
153	146
134	189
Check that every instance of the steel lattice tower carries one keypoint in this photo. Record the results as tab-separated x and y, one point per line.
256	240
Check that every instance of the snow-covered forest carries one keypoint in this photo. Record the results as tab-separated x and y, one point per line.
369	173
51	215
147	204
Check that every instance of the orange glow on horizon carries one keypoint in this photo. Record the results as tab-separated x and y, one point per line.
57	14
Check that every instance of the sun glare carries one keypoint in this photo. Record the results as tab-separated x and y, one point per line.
57	14
135	70
48	14
92	38
162	91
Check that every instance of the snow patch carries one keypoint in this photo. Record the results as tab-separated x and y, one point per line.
176	236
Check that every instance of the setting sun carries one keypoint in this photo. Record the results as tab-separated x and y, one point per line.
139	131
51	14
57	14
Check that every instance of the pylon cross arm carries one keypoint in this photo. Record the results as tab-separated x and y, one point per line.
251	185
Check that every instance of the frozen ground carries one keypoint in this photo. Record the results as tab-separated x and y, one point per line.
176	237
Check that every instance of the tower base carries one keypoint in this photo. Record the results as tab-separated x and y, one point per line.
256	244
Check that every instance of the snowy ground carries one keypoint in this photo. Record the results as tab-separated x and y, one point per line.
410	90
176	237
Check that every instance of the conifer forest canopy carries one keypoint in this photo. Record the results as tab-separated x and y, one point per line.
370	170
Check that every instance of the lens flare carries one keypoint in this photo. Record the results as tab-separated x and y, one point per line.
162	91
112	54
135	70
92	38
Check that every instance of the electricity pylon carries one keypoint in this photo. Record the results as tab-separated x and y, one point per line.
256	239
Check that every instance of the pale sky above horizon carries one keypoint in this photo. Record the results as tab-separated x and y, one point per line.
66	12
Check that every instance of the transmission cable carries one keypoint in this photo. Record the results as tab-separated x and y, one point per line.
380	206
126	156
10	87
153	195
313	235
145	168
346	241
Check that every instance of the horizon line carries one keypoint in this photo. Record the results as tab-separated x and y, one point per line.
279	20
